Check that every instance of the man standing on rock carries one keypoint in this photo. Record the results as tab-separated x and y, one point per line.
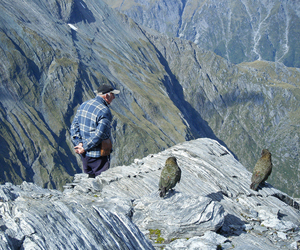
91	131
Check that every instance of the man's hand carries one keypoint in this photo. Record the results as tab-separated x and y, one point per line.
79	149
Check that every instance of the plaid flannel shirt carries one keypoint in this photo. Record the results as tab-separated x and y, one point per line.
91	125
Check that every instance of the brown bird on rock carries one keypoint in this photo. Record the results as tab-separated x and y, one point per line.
169	176
262	169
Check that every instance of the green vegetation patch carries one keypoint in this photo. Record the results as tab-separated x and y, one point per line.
155	235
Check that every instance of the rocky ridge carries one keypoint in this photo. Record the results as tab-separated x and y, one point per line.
171	91
211	208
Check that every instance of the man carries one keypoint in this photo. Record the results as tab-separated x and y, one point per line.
91	131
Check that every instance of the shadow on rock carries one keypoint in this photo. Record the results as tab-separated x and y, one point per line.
171	193
233	226
216	196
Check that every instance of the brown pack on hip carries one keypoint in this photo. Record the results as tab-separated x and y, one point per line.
106	146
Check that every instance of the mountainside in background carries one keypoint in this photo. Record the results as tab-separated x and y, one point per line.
238	30
171	91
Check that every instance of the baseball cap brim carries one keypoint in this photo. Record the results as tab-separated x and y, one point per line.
105	89
115	91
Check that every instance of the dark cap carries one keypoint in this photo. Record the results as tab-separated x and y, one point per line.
104	89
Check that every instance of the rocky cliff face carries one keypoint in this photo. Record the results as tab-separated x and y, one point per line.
171	91
211	208
238	30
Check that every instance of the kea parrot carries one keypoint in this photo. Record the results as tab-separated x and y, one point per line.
169	176
262	169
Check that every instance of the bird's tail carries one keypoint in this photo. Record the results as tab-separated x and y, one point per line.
162	192
254	186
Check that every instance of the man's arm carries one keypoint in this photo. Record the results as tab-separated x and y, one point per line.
75	131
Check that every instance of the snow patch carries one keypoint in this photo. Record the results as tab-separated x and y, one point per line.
72	27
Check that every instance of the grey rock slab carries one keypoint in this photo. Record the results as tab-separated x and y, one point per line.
295	245
252	242
178	216
71	222
210	175
122	205
209	241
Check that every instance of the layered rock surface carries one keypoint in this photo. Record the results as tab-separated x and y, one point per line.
211	207
54	54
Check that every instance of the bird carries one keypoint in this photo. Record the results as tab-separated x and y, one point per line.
262	169
170	176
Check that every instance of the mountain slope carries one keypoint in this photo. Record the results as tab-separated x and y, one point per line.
249	106
52	61
171	91
238	30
